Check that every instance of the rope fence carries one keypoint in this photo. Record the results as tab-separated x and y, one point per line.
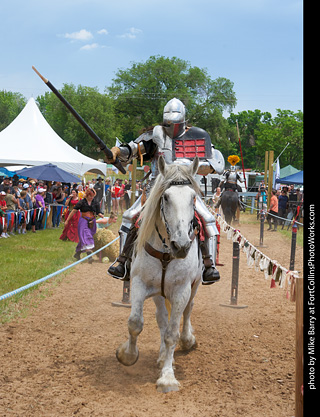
273	215
258	260
39	281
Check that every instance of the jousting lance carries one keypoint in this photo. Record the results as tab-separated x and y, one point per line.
94	136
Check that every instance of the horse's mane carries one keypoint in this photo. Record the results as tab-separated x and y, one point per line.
150	214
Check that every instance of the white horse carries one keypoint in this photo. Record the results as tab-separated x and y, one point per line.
167	265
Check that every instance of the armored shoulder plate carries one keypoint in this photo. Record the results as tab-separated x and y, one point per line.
145	136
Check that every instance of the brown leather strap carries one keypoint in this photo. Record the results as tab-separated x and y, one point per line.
164	257
87	214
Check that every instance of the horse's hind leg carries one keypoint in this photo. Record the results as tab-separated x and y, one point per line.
128	352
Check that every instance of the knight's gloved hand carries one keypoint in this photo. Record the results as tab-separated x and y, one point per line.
115	153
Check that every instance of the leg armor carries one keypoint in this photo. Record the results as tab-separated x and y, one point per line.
209	223
128	233
128	218
209	246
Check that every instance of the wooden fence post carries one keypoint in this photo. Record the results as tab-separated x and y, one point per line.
235	278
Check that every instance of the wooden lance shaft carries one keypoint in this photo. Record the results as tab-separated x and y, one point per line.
88	129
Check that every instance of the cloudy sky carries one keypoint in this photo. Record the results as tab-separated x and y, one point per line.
256	44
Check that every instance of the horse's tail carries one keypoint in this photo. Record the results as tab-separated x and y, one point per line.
228	214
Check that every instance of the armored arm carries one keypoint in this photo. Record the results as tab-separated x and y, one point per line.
142	147
214	165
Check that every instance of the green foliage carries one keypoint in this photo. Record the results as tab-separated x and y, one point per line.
11	105
259	132
142	91
95	108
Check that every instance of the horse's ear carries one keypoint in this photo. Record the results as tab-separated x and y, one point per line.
161	165
195	166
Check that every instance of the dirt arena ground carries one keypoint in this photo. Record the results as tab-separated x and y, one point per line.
60	360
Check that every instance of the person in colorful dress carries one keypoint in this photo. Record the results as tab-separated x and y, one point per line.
87	222
70	231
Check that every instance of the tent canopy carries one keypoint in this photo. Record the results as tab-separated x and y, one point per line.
296	178
288	170
284	172
4	172
30	140
48	172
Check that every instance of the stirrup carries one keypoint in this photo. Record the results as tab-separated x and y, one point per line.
126	276
213	280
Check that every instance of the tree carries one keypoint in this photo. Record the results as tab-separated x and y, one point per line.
11	104
259	132
286	127
142	91
95	108
248	123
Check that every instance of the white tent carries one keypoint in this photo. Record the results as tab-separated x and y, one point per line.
30	140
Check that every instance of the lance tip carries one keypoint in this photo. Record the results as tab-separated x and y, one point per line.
41	76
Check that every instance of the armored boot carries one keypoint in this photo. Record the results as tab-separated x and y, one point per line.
210	274
122	270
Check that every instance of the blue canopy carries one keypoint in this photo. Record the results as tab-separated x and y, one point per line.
48	172
6	173
296	178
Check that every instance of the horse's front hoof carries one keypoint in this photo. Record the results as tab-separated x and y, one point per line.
167	383
125	358
188	344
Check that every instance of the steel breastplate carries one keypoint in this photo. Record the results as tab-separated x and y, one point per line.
194	142
183	149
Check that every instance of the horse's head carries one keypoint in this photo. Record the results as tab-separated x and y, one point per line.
178	204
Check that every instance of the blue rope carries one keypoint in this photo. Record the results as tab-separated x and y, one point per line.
32	284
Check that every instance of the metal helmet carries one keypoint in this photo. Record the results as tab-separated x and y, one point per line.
174	118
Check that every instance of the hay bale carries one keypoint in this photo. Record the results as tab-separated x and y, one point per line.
102	238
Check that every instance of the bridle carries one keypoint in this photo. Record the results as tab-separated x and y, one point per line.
166	256
172	183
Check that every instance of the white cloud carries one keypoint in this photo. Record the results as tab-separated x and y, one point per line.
103	32
131	33
82	35
88	47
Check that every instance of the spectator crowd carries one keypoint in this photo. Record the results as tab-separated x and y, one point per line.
31	205
286	203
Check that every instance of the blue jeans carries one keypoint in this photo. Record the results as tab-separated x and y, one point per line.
56	215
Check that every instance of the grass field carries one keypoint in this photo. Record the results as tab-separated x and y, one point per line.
27	258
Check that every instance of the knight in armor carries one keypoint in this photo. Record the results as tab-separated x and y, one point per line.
231	179
180	144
